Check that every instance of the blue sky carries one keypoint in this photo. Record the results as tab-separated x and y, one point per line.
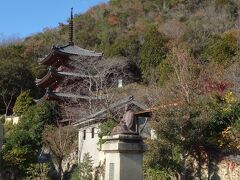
21	18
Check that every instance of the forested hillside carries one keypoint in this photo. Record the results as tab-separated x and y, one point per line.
188	53
144	31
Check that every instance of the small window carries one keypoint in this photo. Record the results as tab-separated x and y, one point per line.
84	134
92	132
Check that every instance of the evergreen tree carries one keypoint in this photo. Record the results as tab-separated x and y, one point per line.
84	170
23	102
153	52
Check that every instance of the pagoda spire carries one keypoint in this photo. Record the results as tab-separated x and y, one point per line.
71	29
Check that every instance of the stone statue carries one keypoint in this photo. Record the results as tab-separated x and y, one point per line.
127	124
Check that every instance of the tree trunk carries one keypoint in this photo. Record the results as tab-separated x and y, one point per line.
60	170
183	168
7	104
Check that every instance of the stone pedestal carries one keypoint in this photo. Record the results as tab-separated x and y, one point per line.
124	157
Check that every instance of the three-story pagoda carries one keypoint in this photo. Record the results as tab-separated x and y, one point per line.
60	68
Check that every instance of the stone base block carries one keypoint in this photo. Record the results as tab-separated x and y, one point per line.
124	157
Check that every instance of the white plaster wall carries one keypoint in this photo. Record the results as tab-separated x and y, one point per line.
89	145
12	119
16	120
8	120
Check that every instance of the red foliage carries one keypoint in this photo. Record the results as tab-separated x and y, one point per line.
209	86
112	20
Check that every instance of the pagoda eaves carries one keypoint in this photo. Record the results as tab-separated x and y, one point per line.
49	95
52	78
55	77
58	96
59	55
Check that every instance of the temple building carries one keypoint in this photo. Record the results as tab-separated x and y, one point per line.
90	90
66	78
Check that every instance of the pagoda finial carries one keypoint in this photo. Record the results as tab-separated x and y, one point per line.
71	29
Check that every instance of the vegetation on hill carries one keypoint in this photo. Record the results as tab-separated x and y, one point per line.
187	51
23	141
140	30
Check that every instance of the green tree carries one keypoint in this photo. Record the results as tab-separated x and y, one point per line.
225	117
180	133
23	102
153	52
186	130
14	77
221	49
105	129
12	51
23	142
84	169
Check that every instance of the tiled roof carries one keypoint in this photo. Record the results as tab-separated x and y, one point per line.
100	114
60	96
75	50
60	74
65	52
51	76
69	95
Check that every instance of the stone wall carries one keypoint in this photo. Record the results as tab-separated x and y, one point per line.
218	168
229	168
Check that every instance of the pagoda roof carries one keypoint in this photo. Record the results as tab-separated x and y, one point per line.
53	76
102	114
58	96
49	95
77	96
72	49
60	53
50	79
77	74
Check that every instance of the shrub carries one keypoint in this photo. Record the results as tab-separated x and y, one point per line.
155	174
84	170
221	2
221	49
105	129
38	171
126	46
